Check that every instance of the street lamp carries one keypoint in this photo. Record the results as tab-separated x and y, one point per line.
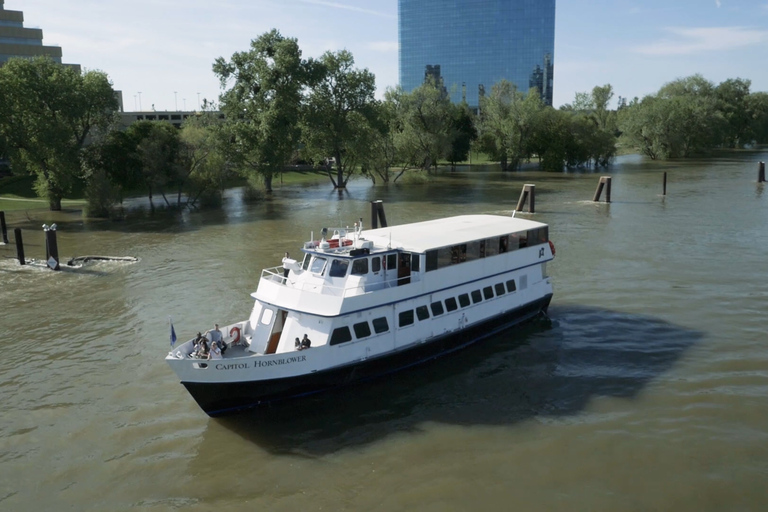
175	101
139	101
198	101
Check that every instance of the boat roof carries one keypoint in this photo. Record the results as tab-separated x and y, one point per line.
431	234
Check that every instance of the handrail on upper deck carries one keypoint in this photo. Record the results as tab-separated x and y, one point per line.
275	274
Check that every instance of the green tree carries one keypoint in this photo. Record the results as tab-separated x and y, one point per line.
263	104
338	111
507	122
201	158
463	133
425	119
48	112
732	95
757	106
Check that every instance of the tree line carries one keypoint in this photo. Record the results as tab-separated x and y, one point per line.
278	108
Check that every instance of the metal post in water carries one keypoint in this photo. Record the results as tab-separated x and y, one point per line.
665	183
51	247
19	246
528	195
760	173
3	227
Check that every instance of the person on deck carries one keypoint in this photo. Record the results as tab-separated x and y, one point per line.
305	342
217	338
215	352
286	270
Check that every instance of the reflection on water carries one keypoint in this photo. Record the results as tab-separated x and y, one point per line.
647	391
539	371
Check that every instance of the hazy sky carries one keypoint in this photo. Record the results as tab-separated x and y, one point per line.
165	48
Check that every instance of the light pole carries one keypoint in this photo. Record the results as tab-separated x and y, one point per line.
139	101
175	101
198	101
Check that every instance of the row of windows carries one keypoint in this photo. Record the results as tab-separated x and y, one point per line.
380	325
446	256
360	266
406	318
362	330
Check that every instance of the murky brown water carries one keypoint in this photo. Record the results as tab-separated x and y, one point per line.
647	391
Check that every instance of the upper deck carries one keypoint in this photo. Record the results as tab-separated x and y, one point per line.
384	260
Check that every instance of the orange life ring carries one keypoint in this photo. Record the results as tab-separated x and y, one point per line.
237	330
552	246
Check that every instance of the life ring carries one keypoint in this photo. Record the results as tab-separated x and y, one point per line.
552	246
237	338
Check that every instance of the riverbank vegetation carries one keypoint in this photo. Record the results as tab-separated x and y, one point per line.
280	111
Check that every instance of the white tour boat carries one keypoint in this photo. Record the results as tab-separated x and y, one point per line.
373	302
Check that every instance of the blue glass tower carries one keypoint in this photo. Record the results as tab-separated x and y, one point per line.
469	45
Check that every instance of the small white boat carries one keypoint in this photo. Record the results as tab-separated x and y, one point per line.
373	302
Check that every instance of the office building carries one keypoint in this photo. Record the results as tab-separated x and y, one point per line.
467	46
18	41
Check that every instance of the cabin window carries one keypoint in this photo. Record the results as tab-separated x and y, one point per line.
392	261
406	318
503	244
488	292
360	267
437	308
477	297
523	237
362	330
422	313
458	254
376	265
338	268
305	263
511	286
514	242
317	266
499	287
537	236
473	250
464	300
431	260
450	304
380	325
415	262
491	247
266	316
340	335
444	257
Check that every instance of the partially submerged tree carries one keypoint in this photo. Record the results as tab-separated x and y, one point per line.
48	112
337	117
262	104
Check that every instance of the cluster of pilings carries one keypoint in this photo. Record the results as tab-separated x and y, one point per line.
51	246
603	185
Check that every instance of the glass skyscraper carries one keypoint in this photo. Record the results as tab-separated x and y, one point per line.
469	45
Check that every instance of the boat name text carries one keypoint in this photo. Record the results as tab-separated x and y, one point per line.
274	362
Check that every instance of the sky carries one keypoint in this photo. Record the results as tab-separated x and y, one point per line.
159	53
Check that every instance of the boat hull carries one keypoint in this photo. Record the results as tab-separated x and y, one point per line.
223	398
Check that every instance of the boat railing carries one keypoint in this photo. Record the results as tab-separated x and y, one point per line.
277	275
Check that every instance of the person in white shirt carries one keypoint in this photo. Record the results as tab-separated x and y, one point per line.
215	352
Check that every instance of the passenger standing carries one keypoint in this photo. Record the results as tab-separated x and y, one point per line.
286	270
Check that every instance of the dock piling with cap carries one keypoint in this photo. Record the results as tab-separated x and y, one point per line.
528	195
761	172
605	182
377	213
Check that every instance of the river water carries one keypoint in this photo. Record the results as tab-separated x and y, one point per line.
646	390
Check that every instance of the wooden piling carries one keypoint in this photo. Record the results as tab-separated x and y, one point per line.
761	172
605	182
665	184
52	249
528	195
19	246
3	227
377	213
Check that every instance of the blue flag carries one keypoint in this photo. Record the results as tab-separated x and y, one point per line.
173	334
